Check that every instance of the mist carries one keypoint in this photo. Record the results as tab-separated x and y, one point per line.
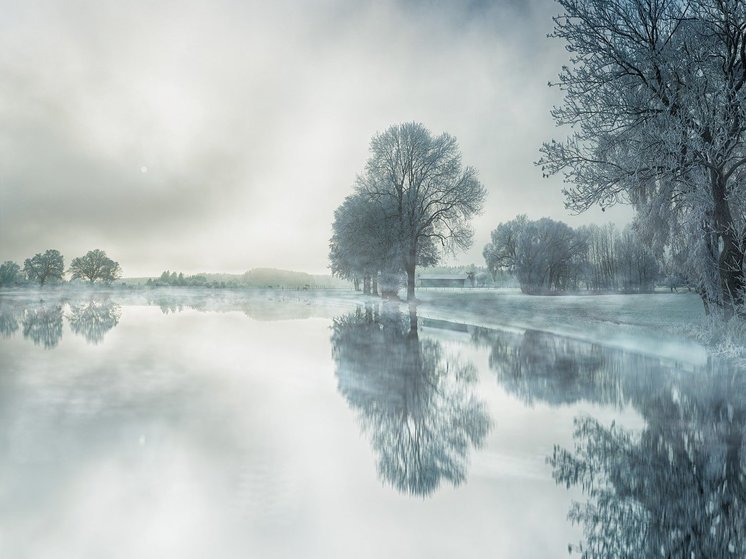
219	136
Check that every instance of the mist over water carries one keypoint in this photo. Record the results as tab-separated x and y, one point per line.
158	425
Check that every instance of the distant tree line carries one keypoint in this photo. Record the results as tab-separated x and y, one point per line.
267	278
412	203
172	279
548	256
49	267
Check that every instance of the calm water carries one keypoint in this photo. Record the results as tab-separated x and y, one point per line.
285	426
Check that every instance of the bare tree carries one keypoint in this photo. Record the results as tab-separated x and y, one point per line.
44	267
655	96
428	196
95	265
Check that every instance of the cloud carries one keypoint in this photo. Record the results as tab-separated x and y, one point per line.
252	119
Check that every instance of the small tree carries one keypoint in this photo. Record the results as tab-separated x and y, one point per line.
10	273
95	265
45	267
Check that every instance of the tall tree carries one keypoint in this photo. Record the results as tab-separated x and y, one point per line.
95	265
418	180
44	267
654	93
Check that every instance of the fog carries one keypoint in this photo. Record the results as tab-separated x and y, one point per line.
220	135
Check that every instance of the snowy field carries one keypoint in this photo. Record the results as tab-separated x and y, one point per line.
650	323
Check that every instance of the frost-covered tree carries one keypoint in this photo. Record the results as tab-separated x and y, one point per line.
637	268
654	94
428	196
601	261
10	273
545	255
95	265
49	266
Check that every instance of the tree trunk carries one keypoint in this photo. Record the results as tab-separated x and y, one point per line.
374	286
366	284
730	261
410	283
412	318
356	284
410	266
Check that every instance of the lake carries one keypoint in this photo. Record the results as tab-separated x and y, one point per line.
283	424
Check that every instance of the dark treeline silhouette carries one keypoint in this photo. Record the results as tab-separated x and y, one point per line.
414	401
48	267
677	488
548	256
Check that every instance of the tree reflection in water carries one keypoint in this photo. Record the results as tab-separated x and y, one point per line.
42	324
93	319
10	316
675	489
413	400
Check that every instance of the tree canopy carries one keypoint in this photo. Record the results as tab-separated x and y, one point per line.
95	265
45	267
413	201
547	255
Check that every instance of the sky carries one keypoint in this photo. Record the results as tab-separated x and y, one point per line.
220	135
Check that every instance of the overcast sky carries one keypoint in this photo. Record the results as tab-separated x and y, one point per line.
220	135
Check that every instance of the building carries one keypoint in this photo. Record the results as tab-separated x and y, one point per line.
443	280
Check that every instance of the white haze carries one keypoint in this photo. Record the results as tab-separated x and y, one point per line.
220	135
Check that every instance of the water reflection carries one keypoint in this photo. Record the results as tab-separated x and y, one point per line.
675	489
540	366
10	317
42	321
414	401
42	324
94	319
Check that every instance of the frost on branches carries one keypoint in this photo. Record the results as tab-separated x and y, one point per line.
654	94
